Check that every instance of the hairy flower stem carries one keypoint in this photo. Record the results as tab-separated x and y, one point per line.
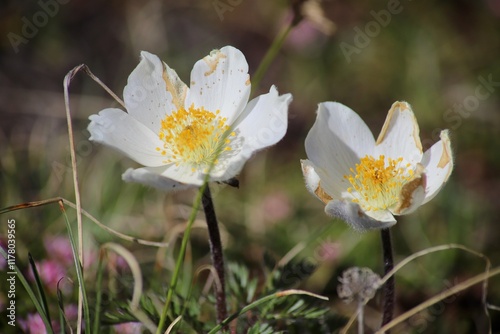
389	289
216	252
361	318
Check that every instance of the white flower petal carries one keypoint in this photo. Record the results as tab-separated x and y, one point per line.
151	176
311	178
438	163
175	86
119	130
335	143
146	96
313	181
264	121
184	174
348	127
382	216
220	81
413	193
227	169
416	200
400	136
353	215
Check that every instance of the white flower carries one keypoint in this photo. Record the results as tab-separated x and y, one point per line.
366	182
176	132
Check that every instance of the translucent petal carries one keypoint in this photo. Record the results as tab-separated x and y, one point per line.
438	163
416	200
220	81
353	215
264	121
412	194
146	96
119	130
400	136
311	178
313	181
175	86
151	176
185	174
227	168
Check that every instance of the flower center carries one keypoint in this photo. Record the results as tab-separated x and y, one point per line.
194	136
377	183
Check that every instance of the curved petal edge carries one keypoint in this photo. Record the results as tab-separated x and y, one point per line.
354	216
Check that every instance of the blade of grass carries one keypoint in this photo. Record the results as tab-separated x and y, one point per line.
432	250
62	317
66	83
39	288
31	294
62	321
100	274
86	214
171	327
79	273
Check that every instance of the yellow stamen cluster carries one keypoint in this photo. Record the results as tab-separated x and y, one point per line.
377	183
194	136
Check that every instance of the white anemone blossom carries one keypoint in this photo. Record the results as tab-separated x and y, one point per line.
364	181
177	132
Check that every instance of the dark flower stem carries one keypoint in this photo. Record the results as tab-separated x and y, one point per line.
216	252
389	290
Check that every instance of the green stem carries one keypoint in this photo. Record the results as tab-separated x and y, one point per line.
180	258
269	56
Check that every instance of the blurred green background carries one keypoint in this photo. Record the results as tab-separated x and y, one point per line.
441	57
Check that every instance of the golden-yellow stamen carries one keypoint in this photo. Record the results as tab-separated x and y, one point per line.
377	183
195	137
